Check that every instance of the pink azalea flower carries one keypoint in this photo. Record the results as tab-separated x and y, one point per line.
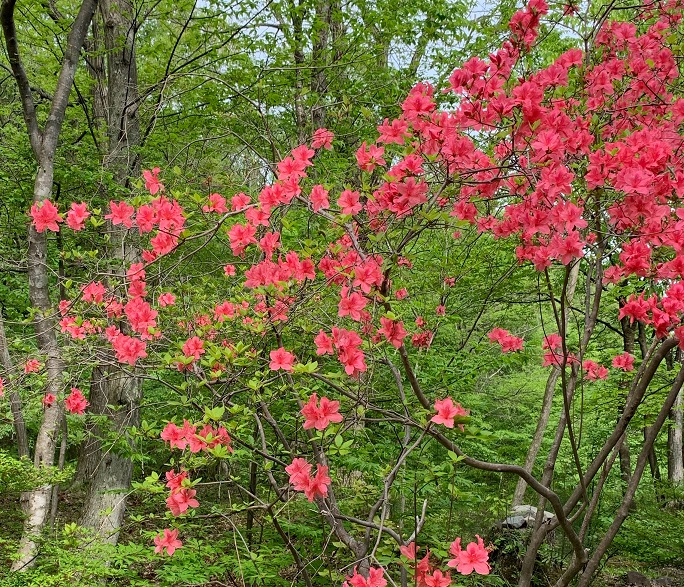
281	359
169	542
447	411
45	216
438	579
473	558
625	361
375	579
319	417
194	347
77	216
152	183
322	137
166	299
75	402
31	366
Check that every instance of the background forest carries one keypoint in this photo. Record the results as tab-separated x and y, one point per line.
215	94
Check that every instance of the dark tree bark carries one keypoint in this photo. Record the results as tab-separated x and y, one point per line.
114	393
628	337
297	21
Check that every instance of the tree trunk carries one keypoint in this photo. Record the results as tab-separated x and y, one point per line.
543	421
117	395
675	442
296	17
15	398
652	460
628	336
123	125
98	73
114	392
36	503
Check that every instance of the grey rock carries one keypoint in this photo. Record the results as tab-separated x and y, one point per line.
529	512
663	582
523	516
516	522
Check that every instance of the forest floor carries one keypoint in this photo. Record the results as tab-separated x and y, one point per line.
614	573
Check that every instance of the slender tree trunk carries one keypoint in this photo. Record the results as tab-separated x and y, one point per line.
36	504
628	336
15	398
543	420
54	500
675	442
652	457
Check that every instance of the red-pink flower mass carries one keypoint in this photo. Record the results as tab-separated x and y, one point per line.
152	183
168	541
76	403
508	342
375	579
473	558
298	291
281	359
45	216
301	478
625	361
447	411
320	416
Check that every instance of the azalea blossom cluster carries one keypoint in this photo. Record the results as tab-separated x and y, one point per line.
346	344
301	478
181	492
32	366
543	211
508	342
181	496
474	558
447	410
375	579
164	214
320	416
167	541
75	402
188	436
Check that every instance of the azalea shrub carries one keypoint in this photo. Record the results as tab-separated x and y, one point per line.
312	345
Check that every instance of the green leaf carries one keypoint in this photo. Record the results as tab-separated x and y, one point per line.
214	413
